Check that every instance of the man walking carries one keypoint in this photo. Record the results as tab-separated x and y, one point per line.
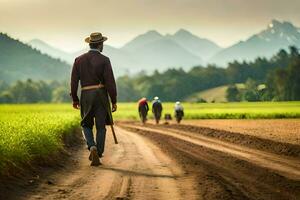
157	109
97	81
179	113
143	109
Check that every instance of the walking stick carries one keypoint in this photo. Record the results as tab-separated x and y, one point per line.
112	125
114	134
112	128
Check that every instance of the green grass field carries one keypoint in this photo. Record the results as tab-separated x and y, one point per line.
244	110
216	94
33	131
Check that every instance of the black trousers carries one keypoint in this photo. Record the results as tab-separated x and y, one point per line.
93	110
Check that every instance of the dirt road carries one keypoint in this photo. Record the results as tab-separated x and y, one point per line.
225	169
173	162
283	130
133	169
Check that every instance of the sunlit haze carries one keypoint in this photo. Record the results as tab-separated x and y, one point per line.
65	23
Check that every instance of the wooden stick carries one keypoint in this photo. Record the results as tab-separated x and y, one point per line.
114	134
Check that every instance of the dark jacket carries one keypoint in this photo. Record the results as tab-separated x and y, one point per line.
156	107
93	68
143	107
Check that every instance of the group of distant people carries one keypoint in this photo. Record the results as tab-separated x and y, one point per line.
157	108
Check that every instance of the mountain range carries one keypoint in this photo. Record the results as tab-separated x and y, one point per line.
266	43
152	50
149	51
18	61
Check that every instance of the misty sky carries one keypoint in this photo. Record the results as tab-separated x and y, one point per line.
65	23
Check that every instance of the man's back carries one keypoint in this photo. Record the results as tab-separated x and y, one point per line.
156	106
96	77
93	68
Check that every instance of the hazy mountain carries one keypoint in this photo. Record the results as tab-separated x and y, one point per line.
142	40
165	53
122	62
19	61
152	50
276	36
155	51
200	47
147	52
51	51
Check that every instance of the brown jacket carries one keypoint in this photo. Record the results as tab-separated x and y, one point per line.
93	68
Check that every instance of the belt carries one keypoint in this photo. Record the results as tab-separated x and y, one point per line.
92	87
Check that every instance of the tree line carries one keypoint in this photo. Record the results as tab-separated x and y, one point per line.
274	79
279	75
19	61
280	84
30	91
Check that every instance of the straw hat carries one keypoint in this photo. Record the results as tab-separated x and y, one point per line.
95	38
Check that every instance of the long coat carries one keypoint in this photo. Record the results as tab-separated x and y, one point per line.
93	68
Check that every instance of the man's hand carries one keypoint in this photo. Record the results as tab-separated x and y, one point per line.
76	105
114	107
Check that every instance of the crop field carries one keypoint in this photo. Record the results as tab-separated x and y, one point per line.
244	110
32	131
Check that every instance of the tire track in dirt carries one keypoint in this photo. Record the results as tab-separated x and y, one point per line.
231	176
278	146
289	167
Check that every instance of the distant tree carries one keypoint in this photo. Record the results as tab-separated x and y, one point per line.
29	91
284	83
232	93
250	92
3	85
6	97
25	92
126	90
294	52
281	59
201	100
61	94
294	78
44	90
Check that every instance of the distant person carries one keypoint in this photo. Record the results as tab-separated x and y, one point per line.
157	109
179	113
96	77
143	109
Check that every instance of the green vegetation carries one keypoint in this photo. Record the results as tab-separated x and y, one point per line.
18	61
213	95
30	91
281	84
245	110
31	131
28	132
280	75
217	94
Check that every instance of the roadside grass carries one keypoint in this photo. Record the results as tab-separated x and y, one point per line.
33	131
239	110
30	131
